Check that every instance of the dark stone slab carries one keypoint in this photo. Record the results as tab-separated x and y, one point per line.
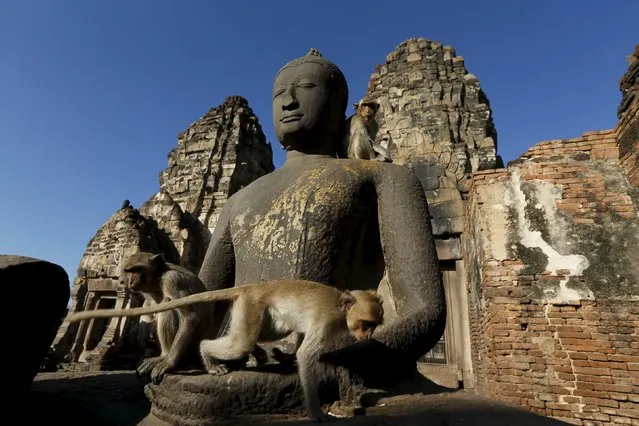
42	288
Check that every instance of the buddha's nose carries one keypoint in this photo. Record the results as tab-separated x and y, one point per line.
288	98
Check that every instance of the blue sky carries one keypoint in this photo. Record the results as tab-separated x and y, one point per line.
94	93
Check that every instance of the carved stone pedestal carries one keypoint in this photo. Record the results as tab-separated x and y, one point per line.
191	399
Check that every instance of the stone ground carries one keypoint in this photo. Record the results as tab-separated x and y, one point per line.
117	398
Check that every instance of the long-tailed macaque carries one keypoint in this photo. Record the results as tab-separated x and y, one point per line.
178	332
271	311
361	129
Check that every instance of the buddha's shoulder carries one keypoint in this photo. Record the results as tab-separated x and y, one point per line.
348	171
374	168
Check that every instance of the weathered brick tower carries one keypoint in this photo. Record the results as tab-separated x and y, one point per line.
551	249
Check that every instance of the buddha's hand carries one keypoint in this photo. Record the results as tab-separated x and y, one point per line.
374	362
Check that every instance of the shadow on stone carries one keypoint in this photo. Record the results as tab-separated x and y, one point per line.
417	385
364	358
104	399
457	408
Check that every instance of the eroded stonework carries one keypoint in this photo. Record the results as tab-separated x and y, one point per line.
216	156
433	110
435	119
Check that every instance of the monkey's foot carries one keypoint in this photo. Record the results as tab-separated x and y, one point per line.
282	357
219	370
337	409
260	356
383	159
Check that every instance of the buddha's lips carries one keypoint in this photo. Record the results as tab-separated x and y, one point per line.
292	117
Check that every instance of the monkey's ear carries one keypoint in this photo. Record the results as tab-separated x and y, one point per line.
376	295
346	300
158	259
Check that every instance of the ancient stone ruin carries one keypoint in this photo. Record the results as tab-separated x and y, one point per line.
537	258
550	246
215	157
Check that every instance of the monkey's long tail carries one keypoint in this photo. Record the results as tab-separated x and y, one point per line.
207	296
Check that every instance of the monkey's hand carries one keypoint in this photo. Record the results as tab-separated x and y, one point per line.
260	356
161	368
156	367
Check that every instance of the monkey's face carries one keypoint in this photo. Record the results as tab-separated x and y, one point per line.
367	111
364	313
138	279
141	273
133	279
364	329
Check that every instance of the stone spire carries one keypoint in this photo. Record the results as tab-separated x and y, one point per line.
217	155
434	109
435	119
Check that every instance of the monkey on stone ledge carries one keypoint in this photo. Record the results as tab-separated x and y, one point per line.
361	129
316	313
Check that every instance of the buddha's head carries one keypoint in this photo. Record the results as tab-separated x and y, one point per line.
310	96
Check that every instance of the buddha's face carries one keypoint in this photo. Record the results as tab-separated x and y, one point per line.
301	101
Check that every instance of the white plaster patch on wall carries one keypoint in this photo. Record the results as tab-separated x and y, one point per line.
575	263
495	217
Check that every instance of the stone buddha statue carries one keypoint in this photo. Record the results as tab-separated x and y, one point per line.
337	221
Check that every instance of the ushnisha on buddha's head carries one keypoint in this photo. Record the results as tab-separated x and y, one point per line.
310	97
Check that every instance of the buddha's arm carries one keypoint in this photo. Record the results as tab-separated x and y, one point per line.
411	262
218	268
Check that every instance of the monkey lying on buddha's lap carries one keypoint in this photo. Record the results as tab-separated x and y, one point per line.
265	312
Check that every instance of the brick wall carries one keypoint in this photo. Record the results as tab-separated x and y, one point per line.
551	245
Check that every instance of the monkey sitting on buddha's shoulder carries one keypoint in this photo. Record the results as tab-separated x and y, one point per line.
361	129
317	314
